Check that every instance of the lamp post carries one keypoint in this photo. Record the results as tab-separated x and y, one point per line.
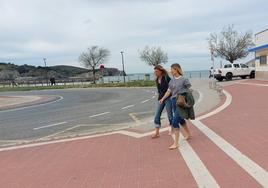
123	65
45	62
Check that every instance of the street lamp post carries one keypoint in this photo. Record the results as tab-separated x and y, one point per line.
123	65
45	62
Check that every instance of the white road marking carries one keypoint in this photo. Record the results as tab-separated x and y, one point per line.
101	114
153	97
253	84
200	98
221	108
256	171
247	164
52	125
145	101
199	171
126	107
32	106
123	132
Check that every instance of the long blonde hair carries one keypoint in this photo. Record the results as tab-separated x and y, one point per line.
178	68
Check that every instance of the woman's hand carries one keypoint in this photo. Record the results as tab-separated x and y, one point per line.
167	94
161	101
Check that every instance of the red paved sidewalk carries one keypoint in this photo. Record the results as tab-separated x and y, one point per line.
111	161
245	122
123	161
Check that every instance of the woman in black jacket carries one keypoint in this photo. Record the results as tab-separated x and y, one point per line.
162	82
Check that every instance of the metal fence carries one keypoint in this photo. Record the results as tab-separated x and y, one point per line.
106	79
139	77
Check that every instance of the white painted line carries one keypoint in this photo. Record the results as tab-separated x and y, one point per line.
250	166
199	171
123	132
153	97
126	107
145	101
256	171
52	125
263	85
101	114
200	98
221	108
32	106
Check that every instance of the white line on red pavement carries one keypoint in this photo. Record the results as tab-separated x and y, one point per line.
253	84
145	101
247	164
222	107
126	107
256	171
47	126
199	171
200	98
101	114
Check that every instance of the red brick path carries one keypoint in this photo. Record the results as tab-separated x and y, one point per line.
123	161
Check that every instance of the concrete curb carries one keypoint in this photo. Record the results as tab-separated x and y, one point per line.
43	100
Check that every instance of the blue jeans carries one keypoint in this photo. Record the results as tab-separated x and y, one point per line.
160	107
177	119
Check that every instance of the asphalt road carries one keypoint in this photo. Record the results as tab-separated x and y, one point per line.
92	107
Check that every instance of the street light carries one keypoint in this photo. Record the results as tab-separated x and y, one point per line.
123	65
45	62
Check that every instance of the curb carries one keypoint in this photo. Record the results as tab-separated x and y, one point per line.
42	101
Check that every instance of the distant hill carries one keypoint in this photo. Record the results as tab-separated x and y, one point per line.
59	71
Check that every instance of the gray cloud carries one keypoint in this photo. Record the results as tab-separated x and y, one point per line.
60	30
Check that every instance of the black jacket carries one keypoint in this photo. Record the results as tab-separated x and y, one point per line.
163	87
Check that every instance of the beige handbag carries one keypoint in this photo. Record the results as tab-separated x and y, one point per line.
181	101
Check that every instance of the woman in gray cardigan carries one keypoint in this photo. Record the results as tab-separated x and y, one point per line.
177	85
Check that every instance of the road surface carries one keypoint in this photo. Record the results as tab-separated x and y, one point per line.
94	109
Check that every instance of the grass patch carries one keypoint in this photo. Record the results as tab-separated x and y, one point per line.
128	84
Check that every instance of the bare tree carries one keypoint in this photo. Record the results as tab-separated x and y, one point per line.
153	56
9	75
229	44
93	57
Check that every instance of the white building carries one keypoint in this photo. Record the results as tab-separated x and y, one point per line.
261	54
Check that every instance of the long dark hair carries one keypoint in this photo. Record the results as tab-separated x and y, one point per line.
161	69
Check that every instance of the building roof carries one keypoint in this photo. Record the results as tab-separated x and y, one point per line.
258	48
261	32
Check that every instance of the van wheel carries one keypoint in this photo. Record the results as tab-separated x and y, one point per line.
252	75
229	76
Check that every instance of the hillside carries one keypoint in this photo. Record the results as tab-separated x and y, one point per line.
9	71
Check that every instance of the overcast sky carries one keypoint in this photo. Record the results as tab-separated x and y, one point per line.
61	29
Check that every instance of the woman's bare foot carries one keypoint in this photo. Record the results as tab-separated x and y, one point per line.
155	136
174	146
188	137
